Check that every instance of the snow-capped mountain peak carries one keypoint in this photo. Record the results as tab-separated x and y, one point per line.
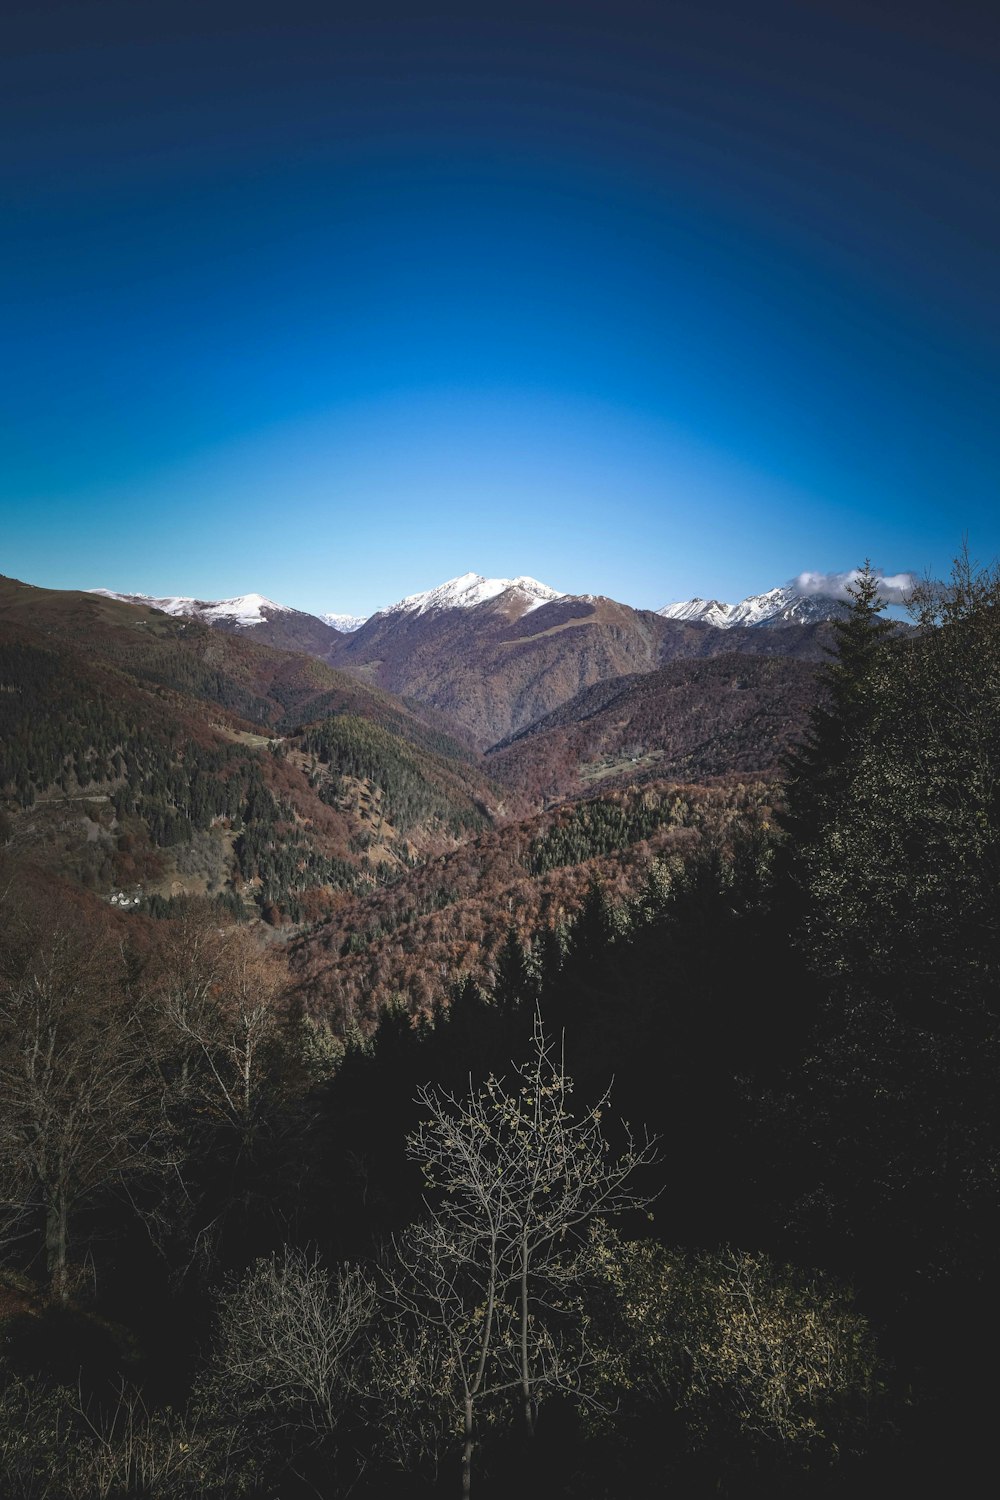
704	611
245	610
470	589
344	623
778	606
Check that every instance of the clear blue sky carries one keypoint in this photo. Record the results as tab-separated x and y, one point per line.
335	302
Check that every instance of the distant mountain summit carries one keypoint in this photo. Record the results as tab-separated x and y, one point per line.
786	605
702	611
245	611
471	589
270	623
344	624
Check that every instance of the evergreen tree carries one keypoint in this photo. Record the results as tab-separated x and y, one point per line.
514	982
820	767
900	872
894	799
593	931
549	948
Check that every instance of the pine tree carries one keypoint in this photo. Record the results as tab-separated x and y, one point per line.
819	769
893	800
593	931
514	983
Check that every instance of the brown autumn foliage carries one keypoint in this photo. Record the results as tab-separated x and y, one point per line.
447	918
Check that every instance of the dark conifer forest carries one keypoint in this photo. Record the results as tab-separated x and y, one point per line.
369	1127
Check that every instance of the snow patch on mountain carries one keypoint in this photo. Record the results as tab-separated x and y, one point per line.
777	604
246	609
470	589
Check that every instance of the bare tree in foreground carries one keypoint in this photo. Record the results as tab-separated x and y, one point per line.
493	1270
219	1018
78	1098
287	1336
218	1035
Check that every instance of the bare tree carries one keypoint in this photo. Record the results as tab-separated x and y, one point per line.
227	1083
495	1267
77	1093
220	1020
287	1340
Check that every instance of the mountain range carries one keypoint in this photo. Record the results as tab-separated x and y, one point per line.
495	655
778	606
786	604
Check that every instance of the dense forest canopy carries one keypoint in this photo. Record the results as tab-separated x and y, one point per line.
427	1141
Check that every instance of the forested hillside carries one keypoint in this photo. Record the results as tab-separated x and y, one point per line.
644	1144
151	758
279	690
692	719
419	940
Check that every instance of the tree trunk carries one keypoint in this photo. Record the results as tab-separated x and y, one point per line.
467	1451
56	1237
526	1402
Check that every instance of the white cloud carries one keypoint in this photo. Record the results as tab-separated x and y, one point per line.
894	588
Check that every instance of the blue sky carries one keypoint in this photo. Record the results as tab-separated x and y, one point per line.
643	299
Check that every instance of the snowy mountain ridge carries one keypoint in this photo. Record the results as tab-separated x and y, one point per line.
805	600
248	610
245	610
470	589
344	623
705	611
777	606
